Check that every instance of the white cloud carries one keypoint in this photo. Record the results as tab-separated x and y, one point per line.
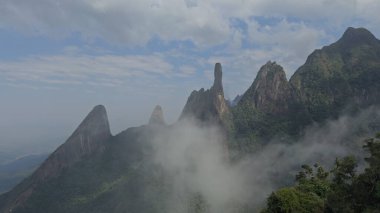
105	70
186	70
128	22
289	43
204	23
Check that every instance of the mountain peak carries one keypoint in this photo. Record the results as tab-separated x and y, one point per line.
208	105
270	71
269	91
357	35
88	138
157	116
218	86
95	121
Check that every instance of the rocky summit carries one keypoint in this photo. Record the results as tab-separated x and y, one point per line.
341	74
157	116
340	78
208	105
270	92
88	139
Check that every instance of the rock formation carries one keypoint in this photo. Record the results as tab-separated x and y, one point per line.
94	171
208	105
87	139
157	116
270	91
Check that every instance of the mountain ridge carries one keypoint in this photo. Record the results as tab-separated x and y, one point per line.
94	171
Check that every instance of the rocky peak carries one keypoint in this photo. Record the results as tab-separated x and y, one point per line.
208	105
88	138
268	74
157	116
357	35
95	123
217	86
270	90
338	75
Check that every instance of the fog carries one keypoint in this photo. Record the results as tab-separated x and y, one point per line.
196	158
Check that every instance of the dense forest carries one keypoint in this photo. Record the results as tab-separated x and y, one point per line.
343	189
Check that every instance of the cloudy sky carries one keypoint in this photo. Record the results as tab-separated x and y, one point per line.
59	58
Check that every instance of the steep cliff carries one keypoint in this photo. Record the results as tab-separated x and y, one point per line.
270	91
88	139
270	107
209	105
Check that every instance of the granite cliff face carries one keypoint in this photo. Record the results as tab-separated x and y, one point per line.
208	105
270	92
269	107
88	139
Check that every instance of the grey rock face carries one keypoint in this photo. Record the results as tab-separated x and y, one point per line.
270	91
87	139
218	87
208	105
157	116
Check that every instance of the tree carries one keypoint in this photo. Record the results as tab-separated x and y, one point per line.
367	187
340	190
340	197
291	199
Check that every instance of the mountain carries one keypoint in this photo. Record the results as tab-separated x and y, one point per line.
138	170
341	74
270	92
340	78
235	101
88	139
270	107
157	116
209	105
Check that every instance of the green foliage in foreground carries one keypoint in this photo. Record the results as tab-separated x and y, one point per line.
340	190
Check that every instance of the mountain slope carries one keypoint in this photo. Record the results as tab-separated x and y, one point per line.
13	172
345	72
87	140
270	107
339	78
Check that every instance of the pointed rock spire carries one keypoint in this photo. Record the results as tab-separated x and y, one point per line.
218	86
208	105
95	124
157	116
88	138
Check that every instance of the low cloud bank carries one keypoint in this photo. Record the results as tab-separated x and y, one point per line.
202	178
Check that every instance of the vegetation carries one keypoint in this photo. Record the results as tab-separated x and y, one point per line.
340	190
